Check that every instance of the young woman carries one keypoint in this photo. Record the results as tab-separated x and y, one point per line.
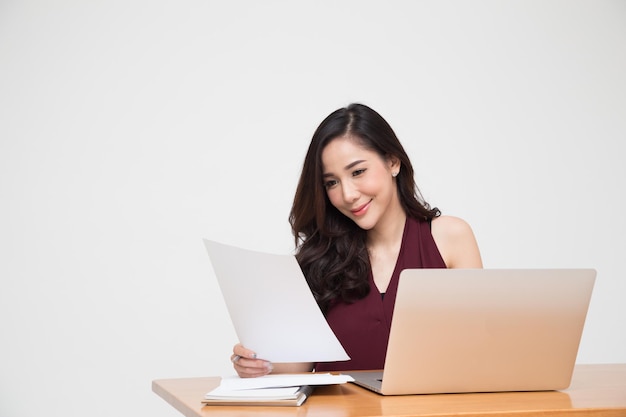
358	220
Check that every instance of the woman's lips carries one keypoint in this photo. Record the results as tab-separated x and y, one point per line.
361	210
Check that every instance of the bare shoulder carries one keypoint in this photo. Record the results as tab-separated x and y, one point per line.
456	242
450	226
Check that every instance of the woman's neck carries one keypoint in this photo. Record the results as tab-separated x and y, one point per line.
387	233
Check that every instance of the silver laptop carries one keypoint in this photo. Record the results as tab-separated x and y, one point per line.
483	330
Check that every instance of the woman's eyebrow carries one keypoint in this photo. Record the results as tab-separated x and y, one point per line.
347	167
352	164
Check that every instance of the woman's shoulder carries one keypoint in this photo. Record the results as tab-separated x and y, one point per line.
450	226
456	242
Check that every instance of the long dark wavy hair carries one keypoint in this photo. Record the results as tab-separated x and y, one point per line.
330	247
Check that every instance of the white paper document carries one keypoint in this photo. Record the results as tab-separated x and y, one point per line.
221	393
279	383
271	306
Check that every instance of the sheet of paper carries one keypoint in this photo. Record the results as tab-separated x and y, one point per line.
271	306
233	383
221	392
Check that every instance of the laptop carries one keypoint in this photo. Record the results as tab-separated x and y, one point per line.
483	330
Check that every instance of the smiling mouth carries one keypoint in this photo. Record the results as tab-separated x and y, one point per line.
361	210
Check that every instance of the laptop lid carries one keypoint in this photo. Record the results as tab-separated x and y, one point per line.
485	330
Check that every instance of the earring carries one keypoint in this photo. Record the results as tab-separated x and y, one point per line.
394	174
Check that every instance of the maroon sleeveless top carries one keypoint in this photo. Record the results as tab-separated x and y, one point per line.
363	327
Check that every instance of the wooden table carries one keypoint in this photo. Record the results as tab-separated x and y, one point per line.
596	390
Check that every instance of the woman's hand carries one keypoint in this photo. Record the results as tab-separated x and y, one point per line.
246	363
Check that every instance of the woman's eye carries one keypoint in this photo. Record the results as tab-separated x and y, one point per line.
330	183
358	172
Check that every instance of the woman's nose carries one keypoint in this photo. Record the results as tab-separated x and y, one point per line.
350	193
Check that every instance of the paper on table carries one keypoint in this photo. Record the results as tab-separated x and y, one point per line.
232	383
283	386
289	396
271	306
281	392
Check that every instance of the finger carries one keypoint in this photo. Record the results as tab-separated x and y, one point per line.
246	372
252	363
251	372
242	352
252	367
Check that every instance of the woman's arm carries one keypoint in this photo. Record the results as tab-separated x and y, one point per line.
282	368
456	242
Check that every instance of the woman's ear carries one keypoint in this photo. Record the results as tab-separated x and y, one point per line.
394	164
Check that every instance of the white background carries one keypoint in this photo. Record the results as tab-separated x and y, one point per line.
130	130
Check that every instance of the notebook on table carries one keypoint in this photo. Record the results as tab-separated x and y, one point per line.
483	330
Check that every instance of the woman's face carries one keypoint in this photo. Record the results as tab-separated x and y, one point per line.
359	182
